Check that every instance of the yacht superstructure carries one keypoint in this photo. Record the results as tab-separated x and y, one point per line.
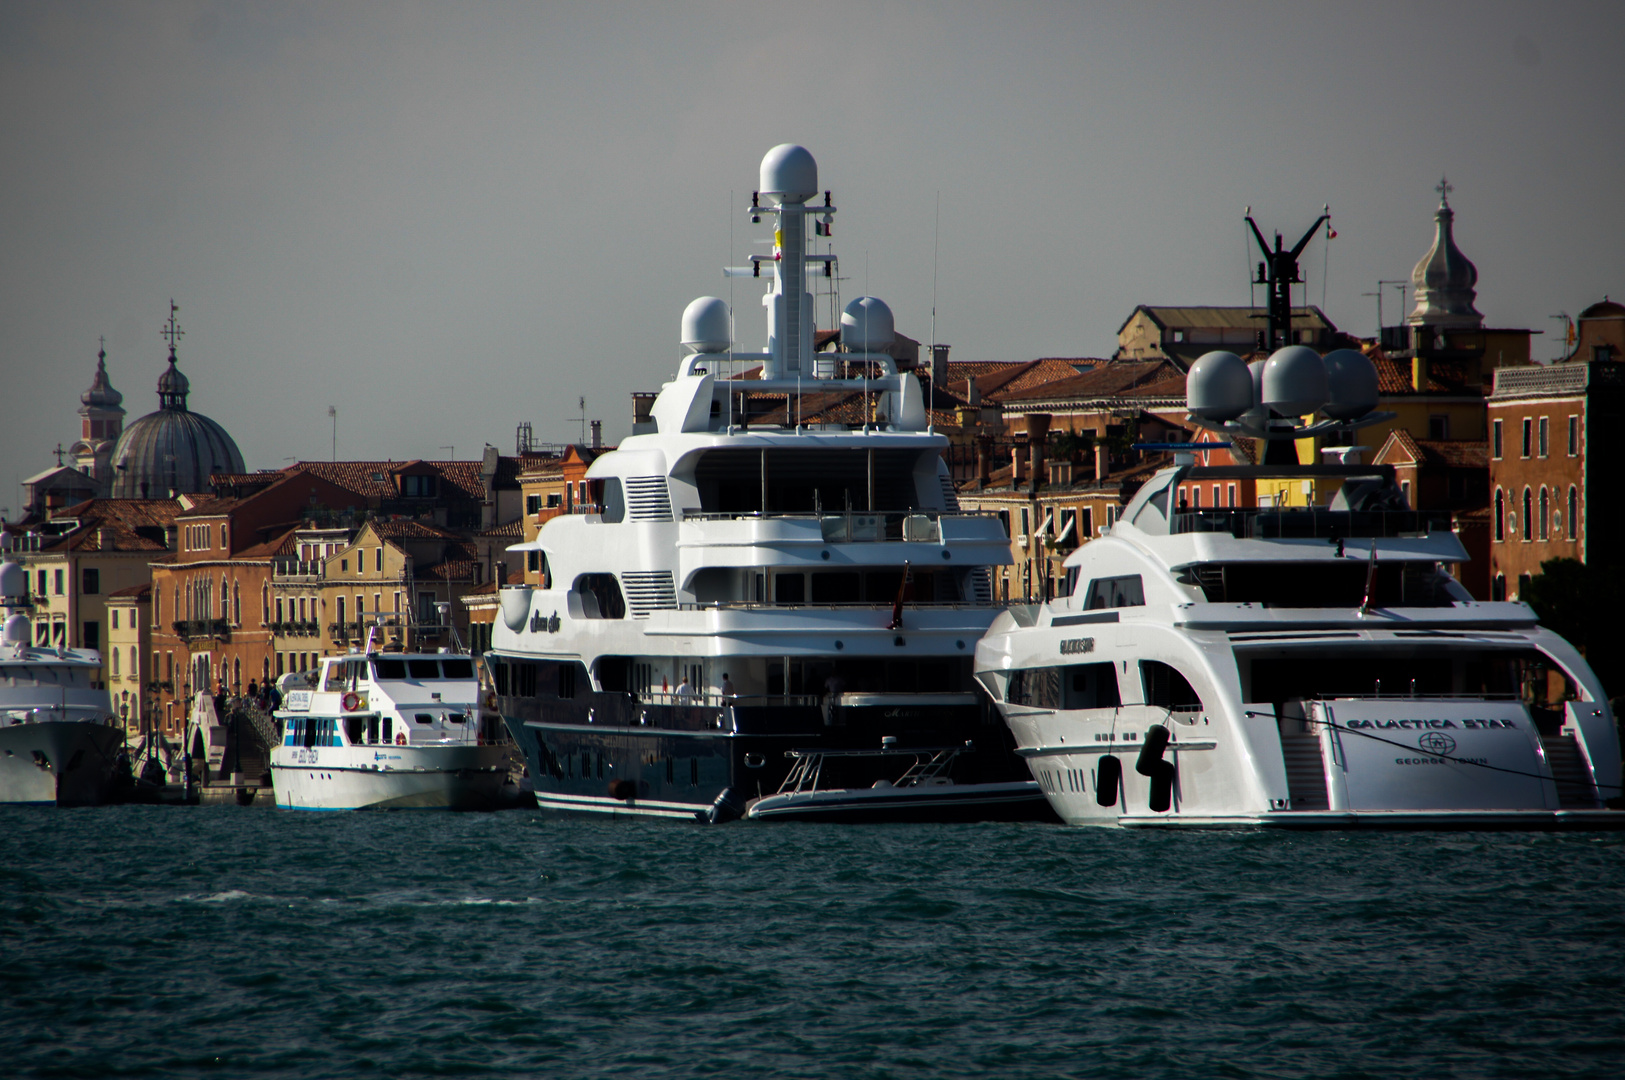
1306	666
59	744
744	589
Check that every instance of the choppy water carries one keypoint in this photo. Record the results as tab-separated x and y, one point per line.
142	941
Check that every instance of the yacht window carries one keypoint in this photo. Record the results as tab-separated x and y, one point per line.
354	726
458	669
789	589
424	718
423	669
389	725
389	669
457	717
1337	584
613	501
836	587
1092	686
372	729
1166	688
1116	592
568	679
600	596
335	677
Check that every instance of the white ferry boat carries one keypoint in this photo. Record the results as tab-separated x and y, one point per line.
741	590
389	731
59	740
1312	667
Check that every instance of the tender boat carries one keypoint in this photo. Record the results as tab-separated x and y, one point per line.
738	589
1311	666
389	731
60	743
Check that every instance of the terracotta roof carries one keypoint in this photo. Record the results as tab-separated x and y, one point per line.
1444	376
279	545
1233	318
457	564
1442	453
372	479
139	592
408	529
135	524
512	528
1157	378
995	380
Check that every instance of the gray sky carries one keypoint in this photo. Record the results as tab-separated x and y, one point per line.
444	219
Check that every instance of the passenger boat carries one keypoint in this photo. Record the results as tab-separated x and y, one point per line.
738	587
1295	667
60	743
389	731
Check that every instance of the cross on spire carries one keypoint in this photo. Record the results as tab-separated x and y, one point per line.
103	341
172	330
1444	187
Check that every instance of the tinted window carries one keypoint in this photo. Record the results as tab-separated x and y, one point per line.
389	669
458	669
1116	592
1167	688
423	669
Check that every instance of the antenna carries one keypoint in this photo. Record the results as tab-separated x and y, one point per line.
931	373
1378	294
1568	333
1279	271
333	415
581	404
453	452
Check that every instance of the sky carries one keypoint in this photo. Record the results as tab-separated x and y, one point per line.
444	219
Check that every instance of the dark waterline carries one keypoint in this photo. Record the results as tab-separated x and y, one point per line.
154	942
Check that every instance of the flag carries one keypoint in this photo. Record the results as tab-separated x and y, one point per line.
1331	233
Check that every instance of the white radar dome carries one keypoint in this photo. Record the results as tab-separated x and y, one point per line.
1294	381
1351	384
705	326
17	630
789	172
13	580
1218	387
866	325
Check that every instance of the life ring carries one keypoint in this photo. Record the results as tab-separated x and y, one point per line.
400	740
490	701
351	701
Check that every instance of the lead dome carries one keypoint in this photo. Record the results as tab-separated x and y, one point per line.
173	449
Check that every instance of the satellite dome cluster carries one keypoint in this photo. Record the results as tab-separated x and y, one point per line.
1295	381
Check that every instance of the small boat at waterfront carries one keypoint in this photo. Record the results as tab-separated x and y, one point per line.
389	731
1295	666
60	744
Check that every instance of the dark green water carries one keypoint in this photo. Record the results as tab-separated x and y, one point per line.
226	942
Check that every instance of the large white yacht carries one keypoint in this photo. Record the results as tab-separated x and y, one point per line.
740	591
389	731
59	744
1256	664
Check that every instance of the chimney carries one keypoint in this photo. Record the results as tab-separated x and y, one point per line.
1103	461
982	463
1060	474
597	434
973	395
105	538
1015	465
1037	432
171	532
1419	374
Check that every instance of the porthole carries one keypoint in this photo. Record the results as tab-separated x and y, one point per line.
754	761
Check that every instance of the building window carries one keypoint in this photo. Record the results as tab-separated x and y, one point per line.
1495	440
1528	517
552	500
1574	512
1527	425
1498	587
1438	426
1545	512
1574	436
1500	515
1196	497
533	505
1405	487
90	581
112	614
279	609
91	636
378	559
58	581
236	604
115	663
40	588
1523	583
1545	436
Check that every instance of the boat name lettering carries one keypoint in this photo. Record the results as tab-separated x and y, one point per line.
1439	760
298	701
304	755
1073	646
1469	724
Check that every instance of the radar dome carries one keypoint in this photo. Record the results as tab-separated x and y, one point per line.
1294	381
789	172
17	630
1351	384
1218	387
705	326
866	325
13	580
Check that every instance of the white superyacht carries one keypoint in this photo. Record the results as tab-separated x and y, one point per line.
59	743
1311	667
748	615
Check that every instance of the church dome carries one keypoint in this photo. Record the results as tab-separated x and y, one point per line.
101	394
1444	282
172	449
1604	309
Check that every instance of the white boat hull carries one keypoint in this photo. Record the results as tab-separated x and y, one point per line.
390	777
58	763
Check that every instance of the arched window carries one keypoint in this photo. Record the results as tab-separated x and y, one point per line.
225	598
1574	512
1500	515
1545	512
265	603
133	667
115	663
237	675
1528	517
236	604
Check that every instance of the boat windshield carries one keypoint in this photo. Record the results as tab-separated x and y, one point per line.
1322	584
1292	523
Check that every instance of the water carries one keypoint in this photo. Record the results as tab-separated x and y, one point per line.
143	941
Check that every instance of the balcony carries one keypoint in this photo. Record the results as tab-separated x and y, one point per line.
345	631
297	628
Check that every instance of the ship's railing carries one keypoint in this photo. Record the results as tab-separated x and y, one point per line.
1292	523
921	526
855	605
711	699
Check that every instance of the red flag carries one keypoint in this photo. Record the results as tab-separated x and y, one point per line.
897	604
1330	232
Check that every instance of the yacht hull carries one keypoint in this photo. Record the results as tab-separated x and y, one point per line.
1015	801
59	763
391	778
